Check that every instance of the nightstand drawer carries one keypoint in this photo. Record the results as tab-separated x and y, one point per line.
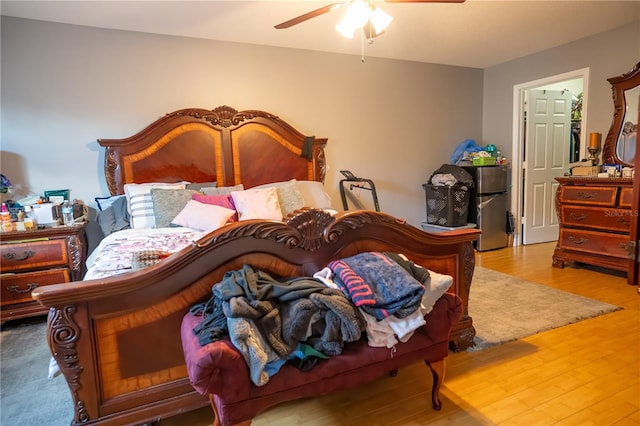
607	219
600	243
17	288
33	255
593	195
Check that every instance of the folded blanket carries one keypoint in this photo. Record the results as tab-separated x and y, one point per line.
378	285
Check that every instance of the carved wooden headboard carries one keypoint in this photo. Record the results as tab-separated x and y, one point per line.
222	145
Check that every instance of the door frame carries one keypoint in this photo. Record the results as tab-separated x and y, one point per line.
517	190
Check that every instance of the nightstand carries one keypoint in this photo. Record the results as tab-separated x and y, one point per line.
31	259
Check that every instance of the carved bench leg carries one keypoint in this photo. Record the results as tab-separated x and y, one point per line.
437	370
216	418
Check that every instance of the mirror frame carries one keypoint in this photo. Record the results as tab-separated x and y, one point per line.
619	84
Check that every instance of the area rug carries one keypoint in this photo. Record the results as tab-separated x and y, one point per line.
506	308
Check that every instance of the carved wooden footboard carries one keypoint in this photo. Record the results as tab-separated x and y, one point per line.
117	340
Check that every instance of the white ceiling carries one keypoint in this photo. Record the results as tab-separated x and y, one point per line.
477	33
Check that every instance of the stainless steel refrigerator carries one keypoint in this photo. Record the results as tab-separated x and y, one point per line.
488	205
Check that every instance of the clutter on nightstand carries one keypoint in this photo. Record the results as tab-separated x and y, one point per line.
33	212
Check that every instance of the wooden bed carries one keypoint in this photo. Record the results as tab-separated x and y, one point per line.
117	340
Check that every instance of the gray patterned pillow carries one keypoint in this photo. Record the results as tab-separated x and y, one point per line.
197	186
222	190
167	203
289	197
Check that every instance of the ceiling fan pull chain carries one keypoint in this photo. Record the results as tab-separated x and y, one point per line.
362	46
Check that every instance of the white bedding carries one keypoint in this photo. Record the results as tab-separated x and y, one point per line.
114	254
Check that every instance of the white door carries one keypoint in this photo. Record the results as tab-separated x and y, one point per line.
547	142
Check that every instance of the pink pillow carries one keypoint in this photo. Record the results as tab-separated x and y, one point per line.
225	201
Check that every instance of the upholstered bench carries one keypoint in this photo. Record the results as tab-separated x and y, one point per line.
219	369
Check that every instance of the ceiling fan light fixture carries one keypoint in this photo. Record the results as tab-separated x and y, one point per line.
361	13
380	19
345	28
357	13
356	16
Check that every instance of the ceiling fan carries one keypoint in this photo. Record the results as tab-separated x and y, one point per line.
360	14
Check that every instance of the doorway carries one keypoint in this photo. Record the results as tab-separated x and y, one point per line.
578	82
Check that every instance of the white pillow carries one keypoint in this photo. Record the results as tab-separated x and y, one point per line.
314	194
203	217
259	203
140	203
436	286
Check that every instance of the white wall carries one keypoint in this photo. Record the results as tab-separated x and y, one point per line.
606	55
65	86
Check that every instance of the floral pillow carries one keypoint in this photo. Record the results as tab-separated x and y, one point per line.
257	204
289	196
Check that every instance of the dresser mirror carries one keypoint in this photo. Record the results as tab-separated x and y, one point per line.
621	142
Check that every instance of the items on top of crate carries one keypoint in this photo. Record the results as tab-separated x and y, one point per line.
468	153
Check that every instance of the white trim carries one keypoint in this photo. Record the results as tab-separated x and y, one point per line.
517	164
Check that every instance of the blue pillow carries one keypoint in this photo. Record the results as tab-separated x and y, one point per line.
115	217
104	202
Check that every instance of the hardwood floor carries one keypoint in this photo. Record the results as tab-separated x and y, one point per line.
586	373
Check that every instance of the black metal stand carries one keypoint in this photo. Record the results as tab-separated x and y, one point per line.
356	182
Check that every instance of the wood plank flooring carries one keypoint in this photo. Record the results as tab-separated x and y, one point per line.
586	373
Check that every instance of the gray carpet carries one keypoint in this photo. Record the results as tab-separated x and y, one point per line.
503	308
506	308
27	396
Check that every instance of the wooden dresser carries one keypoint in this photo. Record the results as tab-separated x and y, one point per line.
595	217
32	259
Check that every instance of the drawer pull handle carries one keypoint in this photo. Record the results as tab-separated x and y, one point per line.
586	195
624	221
578	216
14	256
16	289
578	240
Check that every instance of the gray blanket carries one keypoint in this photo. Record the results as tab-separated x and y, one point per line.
267	318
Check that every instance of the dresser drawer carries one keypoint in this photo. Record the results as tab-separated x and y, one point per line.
34	255
626	197
601	243
609	219
17	288
593	195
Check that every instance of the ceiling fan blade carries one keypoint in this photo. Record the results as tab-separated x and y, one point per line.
424	1
308	15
